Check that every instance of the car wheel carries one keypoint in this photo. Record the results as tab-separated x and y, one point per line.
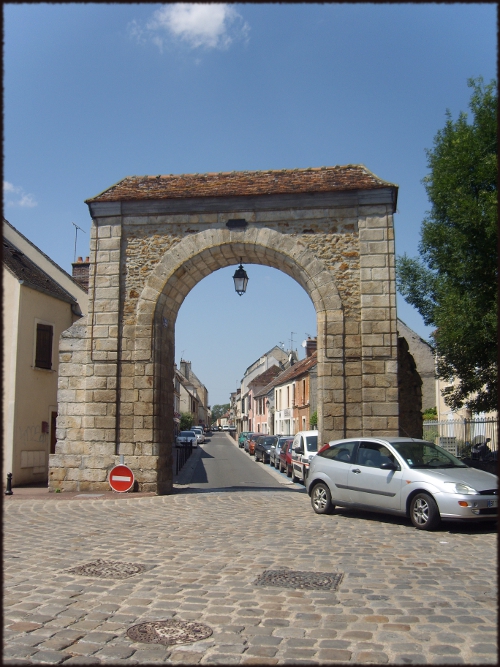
424	512
294	476
321	499
288	471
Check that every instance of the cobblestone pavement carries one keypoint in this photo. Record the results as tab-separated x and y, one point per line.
406	596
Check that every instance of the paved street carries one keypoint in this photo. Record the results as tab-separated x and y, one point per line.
406	596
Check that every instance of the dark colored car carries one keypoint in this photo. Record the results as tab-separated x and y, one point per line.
263	447
286	457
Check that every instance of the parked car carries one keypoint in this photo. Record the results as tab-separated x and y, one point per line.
413	478
225	427
305	446
263	447
275	453
199	433
252	440
246	443
232	429
286	457
187	438
215	427
241	438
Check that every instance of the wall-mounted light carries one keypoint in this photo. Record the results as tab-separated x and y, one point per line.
240	279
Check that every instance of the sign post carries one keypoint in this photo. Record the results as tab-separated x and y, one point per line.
121	478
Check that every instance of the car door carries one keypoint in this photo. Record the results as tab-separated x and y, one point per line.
298	441
333	465
371	485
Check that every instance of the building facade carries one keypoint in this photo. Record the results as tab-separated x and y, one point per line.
40	301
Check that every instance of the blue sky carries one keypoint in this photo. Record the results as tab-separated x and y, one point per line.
94	93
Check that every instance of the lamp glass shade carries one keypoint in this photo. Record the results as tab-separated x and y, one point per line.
240	280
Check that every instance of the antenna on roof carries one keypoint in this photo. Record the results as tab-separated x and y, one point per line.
76	236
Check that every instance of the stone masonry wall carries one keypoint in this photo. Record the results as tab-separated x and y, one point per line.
117	369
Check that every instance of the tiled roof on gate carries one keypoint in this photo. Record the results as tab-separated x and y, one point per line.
31	275
243	183
290	373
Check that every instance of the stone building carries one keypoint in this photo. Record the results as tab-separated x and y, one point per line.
153	238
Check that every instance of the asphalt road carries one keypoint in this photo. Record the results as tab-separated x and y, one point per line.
222	465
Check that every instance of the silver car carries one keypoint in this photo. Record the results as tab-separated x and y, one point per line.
413	478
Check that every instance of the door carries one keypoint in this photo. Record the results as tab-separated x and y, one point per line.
335	463
371	485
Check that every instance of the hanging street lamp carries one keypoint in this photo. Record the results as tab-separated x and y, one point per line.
240	280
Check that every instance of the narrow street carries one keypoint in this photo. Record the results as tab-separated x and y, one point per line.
223	465
237	561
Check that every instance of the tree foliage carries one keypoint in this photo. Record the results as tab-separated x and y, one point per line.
313	420
454	282
218	411
186	421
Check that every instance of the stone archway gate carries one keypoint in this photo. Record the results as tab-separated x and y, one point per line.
154	238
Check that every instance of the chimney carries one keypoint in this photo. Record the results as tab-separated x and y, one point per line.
311	346
81	272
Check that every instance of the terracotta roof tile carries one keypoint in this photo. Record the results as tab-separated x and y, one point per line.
242	183
290	373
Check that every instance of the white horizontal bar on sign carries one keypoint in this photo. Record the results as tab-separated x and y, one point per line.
121	478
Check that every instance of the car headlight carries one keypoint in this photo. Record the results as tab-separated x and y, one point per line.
461	488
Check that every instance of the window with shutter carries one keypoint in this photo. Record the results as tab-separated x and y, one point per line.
43	356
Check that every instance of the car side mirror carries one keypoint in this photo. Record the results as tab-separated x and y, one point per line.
298	450
389	466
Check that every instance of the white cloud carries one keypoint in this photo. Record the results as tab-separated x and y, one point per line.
15	196
212	26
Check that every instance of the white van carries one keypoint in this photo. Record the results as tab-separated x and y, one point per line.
304	448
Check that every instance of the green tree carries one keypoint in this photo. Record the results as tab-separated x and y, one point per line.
454	282
186	421
218	411
313	421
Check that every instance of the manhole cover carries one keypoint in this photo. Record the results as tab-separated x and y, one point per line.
303	580
108	569
169	632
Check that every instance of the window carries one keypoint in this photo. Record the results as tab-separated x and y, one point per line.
373	454
303	392
342	452
43	354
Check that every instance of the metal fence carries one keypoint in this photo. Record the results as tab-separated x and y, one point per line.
181	454
458	435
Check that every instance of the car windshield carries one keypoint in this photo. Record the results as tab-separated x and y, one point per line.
184	434
269	441
419	454
312	443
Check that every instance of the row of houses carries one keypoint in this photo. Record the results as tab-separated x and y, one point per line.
277	393
190	396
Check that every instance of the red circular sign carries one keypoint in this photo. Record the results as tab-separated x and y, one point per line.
121	479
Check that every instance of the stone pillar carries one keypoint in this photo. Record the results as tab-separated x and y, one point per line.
379	379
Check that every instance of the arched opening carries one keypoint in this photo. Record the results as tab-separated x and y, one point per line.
174	278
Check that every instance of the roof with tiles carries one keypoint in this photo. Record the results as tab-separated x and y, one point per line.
242	183
31	275
265	377
290	373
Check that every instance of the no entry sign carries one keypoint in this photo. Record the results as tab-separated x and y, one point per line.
121	479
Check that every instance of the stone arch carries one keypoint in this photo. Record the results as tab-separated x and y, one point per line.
196	256
154	238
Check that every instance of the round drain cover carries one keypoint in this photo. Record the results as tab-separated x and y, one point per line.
169	632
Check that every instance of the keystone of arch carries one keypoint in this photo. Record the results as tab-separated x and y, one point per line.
283	252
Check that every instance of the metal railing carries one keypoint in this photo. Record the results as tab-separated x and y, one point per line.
181	455
459	435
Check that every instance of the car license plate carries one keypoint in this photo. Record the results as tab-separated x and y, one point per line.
492	503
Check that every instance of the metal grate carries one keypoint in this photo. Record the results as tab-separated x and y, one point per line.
108	569
303	580
169	632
